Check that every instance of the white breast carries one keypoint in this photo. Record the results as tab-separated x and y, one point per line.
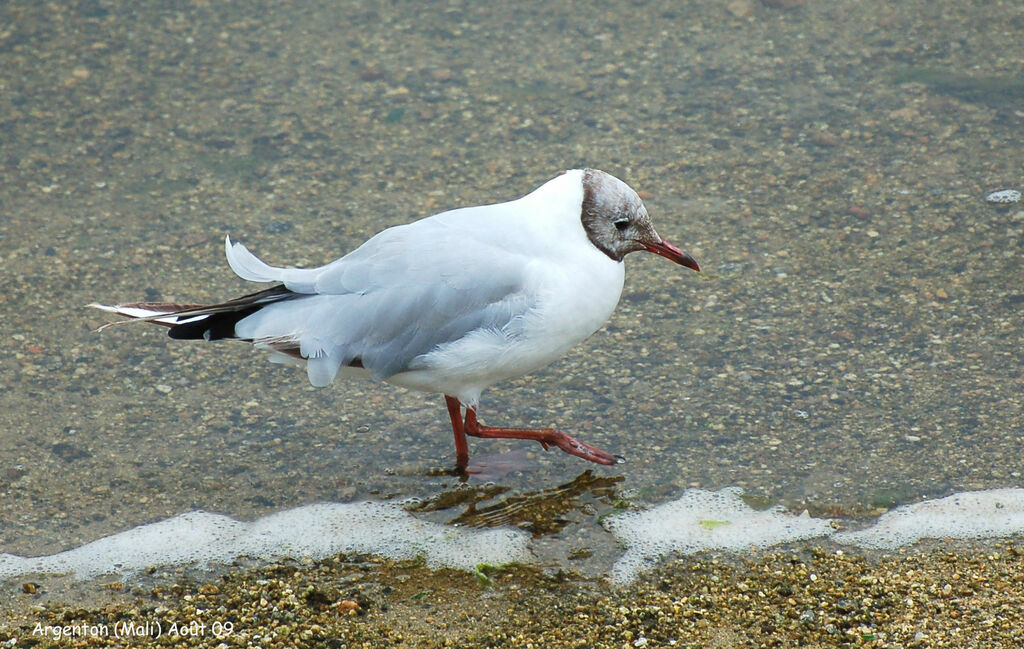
572	305
574	288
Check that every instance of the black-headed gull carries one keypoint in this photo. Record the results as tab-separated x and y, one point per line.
451	304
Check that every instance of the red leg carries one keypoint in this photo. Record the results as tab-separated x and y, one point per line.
461	447
546	437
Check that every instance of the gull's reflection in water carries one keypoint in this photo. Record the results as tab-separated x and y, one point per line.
541	512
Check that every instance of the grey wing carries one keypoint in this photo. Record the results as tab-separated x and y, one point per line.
401	295
443	246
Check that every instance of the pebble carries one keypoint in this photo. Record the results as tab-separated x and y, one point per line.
1003	196
742	8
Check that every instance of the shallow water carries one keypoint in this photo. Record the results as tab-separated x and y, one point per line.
854	344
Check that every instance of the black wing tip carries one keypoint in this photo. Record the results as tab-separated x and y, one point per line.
216	326
220	319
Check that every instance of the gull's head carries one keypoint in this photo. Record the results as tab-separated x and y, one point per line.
617	223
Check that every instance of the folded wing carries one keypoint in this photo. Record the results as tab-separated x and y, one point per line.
404	293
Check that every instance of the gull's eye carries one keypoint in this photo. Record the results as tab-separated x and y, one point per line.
622	225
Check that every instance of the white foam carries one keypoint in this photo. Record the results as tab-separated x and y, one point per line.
968	515
703	520
699	520
313	531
